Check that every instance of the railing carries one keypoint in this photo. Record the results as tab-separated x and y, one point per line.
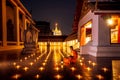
14	43
21	43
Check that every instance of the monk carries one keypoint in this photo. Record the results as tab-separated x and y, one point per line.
72	58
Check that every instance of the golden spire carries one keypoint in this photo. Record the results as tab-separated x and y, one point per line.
57	31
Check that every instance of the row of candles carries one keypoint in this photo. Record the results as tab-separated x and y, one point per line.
58	66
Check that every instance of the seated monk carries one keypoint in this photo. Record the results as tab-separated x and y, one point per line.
72	58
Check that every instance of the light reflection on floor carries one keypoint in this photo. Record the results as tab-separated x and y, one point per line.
49	65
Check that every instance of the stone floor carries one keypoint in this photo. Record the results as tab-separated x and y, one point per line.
49	66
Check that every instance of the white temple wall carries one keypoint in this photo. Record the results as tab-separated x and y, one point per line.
100	45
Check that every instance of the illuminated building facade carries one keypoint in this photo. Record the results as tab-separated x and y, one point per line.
99	28
14	19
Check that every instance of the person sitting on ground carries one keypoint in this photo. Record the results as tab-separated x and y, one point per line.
72	58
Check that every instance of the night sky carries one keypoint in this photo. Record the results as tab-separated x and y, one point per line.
61	11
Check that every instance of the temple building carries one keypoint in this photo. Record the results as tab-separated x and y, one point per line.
99	28
14	19
44	28
56	30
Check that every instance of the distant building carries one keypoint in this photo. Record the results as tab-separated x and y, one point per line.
56	30
44	28
72	39
14	19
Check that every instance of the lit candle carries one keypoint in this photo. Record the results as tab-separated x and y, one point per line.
100	77
25	68
16	76
58	76
41	68
105	69
18	66
57	68
89	61
20	60
93	64
88	68
81	64
44	64
79	76
80	60
37	76
73	68
25	58
31	63
14	63
35	60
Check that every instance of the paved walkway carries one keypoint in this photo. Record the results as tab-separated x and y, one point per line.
49	66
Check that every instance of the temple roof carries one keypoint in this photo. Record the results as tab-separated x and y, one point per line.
107	4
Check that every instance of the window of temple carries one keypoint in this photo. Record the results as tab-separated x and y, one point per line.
10	30
86	33
114	24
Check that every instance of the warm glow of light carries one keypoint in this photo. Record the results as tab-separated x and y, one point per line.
31	63
14	63
118	76
25	58
16	76
89	61
81	64
110	22
18	67
41	68
62	66
88	39
105	69
21	60
93	64
80	60
73	68
58	76
88	25
62	62
83	58
32	55
45	60
57	68
25	68
100	77
88	68
56	24
79	76
37	76
44	64
35	60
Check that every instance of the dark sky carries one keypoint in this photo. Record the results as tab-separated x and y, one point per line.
61	11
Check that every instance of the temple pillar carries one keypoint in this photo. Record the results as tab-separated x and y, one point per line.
4	28
24	22
17	25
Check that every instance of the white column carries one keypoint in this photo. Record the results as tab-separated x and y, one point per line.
4	26
17	25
